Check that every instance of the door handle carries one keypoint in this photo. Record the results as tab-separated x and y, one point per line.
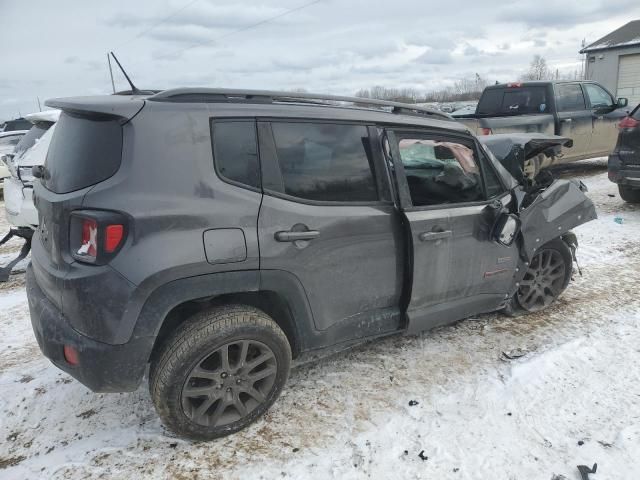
430	236
290	236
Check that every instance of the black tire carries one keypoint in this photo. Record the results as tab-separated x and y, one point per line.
548	275
190	371
629	194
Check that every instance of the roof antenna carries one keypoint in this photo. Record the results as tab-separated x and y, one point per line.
134	89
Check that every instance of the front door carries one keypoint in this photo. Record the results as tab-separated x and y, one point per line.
575	119
457	268
327	220
605	117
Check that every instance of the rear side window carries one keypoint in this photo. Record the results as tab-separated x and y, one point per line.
83	152
513	101
569	98
325	162
235	151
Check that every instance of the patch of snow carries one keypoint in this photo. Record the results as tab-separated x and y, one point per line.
572	398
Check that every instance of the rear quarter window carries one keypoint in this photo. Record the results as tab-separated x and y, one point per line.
83	152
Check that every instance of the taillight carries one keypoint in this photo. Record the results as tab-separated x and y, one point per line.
113	237
96	235
514	85
628	122
485	131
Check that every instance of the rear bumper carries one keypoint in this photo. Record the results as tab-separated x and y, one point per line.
623	174
102	367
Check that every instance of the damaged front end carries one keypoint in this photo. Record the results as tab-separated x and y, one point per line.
540	210
552	212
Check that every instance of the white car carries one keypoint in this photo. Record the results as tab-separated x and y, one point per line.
30	151
8	142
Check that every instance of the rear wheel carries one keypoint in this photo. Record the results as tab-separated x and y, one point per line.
628	194
219	372
547	276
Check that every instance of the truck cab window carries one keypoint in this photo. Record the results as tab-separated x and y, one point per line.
569	97
440	171
598	97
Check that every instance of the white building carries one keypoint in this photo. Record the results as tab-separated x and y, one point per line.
614	61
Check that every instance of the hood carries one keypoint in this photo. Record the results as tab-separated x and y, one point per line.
513	149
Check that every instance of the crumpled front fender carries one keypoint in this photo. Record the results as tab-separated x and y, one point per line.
556	210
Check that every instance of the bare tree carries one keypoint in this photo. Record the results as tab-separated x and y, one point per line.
538	70
462	90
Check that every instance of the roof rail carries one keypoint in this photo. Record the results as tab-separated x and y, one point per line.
227	95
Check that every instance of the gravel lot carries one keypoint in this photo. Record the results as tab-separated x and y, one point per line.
573	399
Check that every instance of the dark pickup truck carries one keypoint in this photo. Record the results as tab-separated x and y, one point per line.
583	111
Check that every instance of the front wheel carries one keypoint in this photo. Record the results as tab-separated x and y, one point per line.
628	194
219	372
547	276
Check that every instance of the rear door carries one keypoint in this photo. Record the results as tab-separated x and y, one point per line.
327	221
575	119
449	186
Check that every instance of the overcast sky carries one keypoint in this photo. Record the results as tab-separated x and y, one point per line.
59	48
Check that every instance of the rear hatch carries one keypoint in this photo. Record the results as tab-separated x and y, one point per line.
86	149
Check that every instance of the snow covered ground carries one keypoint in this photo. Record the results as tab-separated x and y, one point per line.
573	399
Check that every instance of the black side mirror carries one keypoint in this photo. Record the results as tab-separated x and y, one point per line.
622	102
506	229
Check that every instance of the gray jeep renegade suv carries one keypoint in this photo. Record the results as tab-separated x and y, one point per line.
216	235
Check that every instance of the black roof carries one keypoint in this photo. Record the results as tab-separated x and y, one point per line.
626	36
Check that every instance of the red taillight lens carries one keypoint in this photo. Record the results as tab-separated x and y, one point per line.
628	122
485	131
71	355
514	85
89	241
113	237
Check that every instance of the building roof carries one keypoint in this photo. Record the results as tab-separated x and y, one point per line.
626	36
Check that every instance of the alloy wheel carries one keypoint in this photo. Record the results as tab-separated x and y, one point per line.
229	383
543	281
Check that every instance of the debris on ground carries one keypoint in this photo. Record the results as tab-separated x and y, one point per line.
413	403
514	354
422	456
585	471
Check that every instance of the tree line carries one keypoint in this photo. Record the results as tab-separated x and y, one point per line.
465	89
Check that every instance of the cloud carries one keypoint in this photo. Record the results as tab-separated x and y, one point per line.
332	46
548	13
206	15
435	57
